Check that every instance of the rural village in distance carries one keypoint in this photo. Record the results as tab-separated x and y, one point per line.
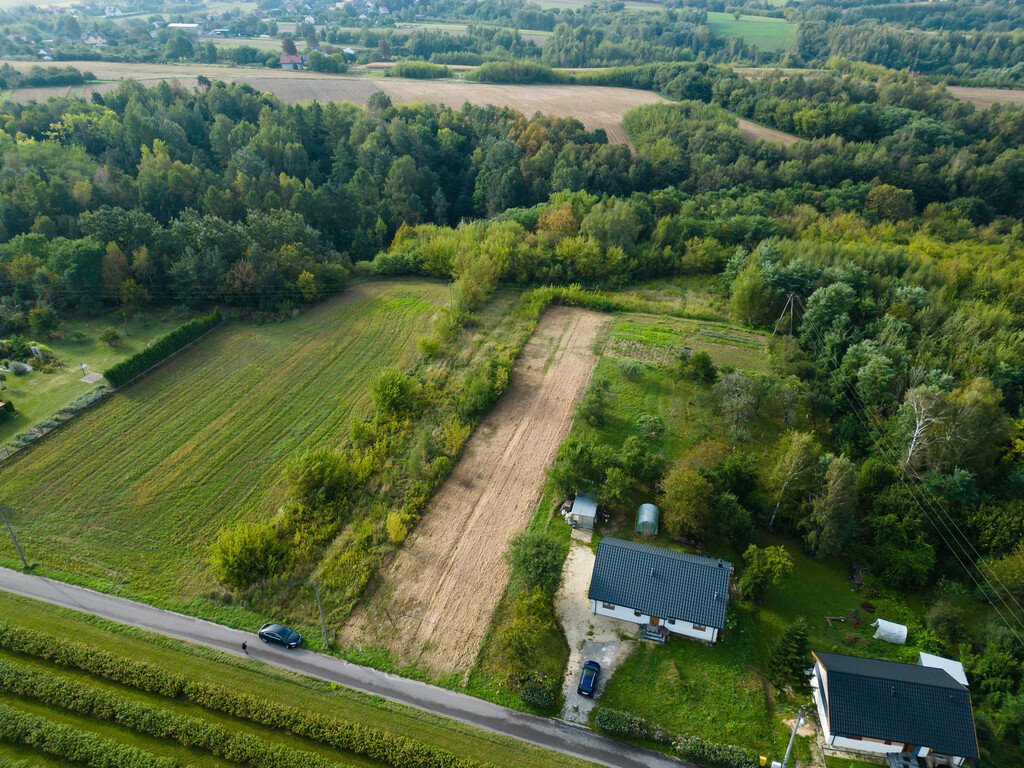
503	383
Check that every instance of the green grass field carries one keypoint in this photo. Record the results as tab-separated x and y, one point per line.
129	495
39	396
762	32
243	676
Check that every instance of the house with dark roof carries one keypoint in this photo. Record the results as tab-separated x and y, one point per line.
662	591
879	707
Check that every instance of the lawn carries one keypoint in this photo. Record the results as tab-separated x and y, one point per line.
763	32
39	396
248	677
128	496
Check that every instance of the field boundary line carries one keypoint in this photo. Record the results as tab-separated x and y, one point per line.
11	452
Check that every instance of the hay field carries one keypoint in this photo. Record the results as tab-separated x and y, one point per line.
594	106
754	131
983	98
131	493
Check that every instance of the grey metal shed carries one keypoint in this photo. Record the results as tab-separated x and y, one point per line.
647	520
584	512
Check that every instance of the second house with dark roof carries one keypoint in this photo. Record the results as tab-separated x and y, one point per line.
660	590
882	707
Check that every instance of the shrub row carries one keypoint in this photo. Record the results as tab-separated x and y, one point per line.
126	370
615	722
151	720
421	70
73	745
713	755
353	737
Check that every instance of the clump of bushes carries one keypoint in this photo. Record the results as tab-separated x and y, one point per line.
247	553
126	370
615	722
421	70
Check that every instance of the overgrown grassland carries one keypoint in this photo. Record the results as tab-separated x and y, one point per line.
39	396
245	676
762	32
129	496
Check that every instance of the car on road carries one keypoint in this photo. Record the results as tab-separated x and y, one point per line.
588	680
280	634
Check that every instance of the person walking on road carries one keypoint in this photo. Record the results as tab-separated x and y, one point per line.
245	647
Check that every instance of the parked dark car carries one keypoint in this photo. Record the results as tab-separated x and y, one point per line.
588	680
277	633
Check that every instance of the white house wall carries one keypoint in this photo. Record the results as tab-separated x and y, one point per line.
680	627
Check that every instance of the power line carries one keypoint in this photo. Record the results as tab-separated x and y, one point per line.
918	491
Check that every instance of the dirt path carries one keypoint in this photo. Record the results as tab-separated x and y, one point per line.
432	604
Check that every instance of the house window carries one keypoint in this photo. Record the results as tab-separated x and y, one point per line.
608	606
699	628
671	621
637	613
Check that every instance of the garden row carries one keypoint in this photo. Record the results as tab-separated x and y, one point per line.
68	743
390	749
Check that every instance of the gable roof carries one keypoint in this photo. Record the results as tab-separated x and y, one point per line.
661	582
905	703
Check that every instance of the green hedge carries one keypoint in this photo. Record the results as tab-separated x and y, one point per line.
421	70
121	373
73	745
710	754
517	72
392	749
713	755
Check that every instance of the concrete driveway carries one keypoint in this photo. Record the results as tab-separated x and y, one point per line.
606	641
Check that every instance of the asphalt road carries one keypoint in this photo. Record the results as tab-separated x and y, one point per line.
543	732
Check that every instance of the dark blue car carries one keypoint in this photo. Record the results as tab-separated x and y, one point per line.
588	680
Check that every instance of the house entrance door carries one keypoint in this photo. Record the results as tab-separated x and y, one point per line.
655	621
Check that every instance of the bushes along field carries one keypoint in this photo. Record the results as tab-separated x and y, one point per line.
71	744
388	748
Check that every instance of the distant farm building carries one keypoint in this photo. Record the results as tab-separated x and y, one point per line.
647	520
662	591
293	61
884	707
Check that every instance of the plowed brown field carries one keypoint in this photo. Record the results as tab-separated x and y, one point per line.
594	106
432	604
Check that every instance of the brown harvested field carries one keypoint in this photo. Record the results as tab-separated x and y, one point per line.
755	131
983	98
594	106
431	605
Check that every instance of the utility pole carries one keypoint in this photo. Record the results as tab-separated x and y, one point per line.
323	619
14	538
789	307
792	737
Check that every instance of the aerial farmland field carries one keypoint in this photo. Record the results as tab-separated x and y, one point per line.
766	33
131	493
